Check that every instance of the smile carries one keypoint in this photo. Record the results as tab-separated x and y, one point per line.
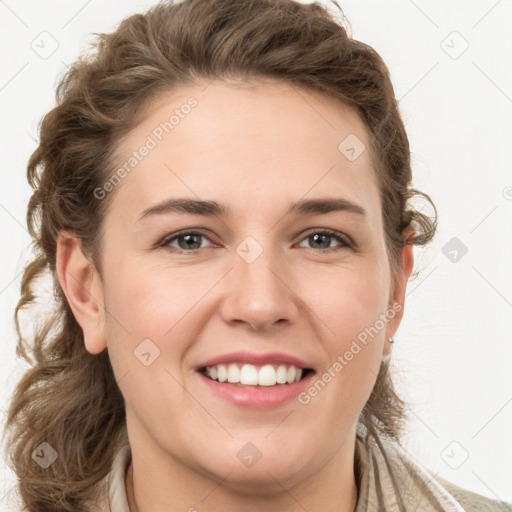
255	375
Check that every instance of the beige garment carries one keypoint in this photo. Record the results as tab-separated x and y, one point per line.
389	479
392	480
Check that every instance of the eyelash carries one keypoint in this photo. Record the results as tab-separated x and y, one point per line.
347	242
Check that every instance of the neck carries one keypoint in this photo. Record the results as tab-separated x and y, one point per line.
328	490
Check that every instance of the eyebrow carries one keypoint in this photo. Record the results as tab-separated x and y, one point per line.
213	208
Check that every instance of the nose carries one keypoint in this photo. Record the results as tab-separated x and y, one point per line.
259	294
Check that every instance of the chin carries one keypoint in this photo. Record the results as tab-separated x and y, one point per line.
267	475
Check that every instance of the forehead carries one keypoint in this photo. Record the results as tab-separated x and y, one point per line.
246	145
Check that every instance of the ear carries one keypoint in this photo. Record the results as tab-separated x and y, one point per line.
83	289
406	265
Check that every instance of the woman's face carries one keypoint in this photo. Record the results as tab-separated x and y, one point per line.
259	280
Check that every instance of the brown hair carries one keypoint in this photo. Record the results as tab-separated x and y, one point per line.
70	398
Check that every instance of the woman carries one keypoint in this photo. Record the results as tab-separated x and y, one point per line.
222	197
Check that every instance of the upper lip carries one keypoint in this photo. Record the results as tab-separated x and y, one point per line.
256	358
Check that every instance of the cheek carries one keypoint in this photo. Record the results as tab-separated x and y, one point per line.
149	326
348	300
352	309
151	300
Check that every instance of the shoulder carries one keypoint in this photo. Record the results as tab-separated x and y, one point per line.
472	502
416	483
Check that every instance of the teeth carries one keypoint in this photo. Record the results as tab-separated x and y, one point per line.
222	374
233	373
281	374
267	376
251	375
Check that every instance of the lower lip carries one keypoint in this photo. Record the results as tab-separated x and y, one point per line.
257	397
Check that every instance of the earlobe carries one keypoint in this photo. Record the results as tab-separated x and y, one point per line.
406	266
83	289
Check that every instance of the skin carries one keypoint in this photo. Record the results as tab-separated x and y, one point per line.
256	148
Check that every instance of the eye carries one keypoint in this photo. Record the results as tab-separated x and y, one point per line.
188	241
324	238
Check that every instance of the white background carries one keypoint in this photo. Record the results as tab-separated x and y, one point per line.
453	351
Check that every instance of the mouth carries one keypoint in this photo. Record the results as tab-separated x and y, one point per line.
255	380
256	375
